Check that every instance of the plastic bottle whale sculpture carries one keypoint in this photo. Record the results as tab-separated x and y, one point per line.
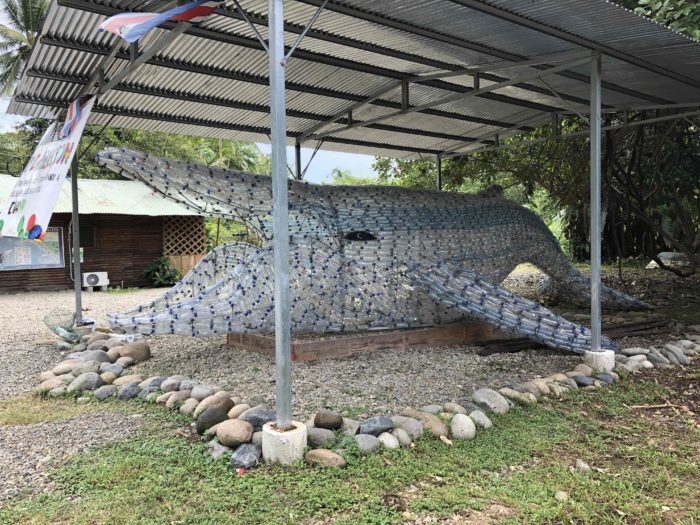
361	258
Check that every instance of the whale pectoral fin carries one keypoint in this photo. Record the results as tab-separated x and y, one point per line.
456	287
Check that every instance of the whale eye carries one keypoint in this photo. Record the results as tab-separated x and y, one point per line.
360	235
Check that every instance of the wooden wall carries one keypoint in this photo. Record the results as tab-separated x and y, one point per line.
124	245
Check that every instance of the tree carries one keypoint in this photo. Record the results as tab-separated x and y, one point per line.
680	15
346	178
17	39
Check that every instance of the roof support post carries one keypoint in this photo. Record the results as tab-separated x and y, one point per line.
75	234
595	141
280	215
298	174
438	169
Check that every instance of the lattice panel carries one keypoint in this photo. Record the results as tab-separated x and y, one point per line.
184	236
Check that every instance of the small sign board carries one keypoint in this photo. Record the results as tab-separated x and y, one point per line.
28	211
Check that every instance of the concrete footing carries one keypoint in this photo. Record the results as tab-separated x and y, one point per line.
602	361
283	447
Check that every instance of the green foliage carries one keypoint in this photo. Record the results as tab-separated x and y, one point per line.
18	37
346	178
221	231
161	272
680	15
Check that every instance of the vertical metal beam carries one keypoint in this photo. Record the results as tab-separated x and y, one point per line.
595	141
280	215
75	233
438	168
298	174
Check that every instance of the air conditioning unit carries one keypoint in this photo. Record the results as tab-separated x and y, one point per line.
93	279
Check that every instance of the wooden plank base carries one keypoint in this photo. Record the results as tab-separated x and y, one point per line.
343	345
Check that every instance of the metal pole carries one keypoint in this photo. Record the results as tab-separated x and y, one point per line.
438	167
297	160
280	218
75	227
595	139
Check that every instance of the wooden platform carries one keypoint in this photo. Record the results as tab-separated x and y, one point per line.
342	345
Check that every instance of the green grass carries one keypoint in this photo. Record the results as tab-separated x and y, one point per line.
29	409
639	468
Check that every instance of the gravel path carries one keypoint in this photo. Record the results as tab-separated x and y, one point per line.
26	344
28	451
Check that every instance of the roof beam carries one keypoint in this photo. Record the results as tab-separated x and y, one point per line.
387	51
467	44
319	58
514	18
244	128
221	102
245	77
448	99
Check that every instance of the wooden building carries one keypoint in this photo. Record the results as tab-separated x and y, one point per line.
124	226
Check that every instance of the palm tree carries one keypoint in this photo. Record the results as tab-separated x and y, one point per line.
17	38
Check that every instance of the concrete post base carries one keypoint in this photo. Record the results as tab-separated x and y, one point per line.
283	447
602	361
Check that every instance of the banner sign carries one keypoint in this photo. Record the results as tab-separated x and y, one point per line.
31	203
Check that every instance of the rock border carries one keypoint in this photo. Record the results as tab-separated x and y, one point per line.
99	365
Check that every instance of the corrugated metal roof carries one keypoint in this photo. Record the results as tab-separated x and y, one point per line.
108	197
212	80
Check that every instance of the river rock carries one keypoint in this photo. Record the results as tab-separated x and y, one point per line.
246	456
526	398
582	381
605	377
189	384
388	440
145	392
583	369
462	427
170	384
367	443
213	415
328	419
128	391
454	408
163	398
257	438
237	410
125	380
82	400
177	399
86	381
320	436
108	377
201	392
402	436
376	425
322	457
413	427
85	366
153	381
45	376
94	337
431	422
216	449
139	351
350	427
111	367
206	403
96	355
188	407
480	419
58	391
234	432
491	400
258	416
634	351
678	353
50	384
125	361
65	367
113	354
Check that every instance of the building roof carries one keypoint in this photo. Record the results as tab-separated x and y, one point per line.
213	79
109	197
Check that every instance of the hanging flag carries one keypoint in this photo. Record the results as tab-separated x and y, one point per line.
72	118
132	26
